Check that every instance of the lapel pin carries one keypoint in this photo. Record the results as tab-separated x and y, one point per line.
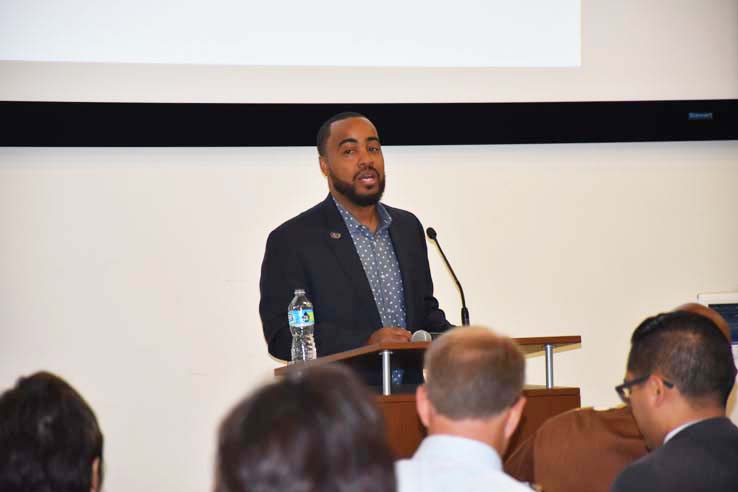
335	235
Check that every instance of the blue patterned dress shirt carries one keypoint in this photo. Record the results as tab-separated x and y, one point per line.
380	264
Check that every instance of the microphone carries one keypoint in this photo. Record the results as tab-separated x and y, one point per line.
421	336
431	232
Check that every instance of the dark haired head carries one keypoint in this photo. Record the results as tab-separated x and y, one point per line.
325	129
49	438
317	430
688	350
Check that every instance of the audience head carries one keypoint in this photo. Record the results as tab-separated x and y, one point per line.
680	368
316	430
711	314
474	384
50	440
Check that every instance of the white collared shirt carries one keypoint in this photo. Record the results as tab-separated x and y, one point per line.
445	463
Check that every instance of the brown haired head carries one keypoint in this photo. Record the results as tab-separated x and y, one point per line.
473	373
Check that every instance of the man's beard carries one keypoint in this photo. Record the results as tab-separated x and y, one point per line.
349	191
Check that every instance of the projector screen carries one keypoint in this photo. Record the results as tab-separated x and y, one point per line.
381	52
327	33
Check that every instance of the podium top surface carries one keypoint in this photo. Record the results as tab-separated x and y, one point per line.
528	344
537	344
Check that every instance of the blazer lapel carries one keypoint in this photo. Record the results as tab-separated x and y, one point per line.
339	240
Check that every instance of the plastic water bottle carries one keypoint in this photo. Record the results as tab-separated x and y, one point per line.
301	319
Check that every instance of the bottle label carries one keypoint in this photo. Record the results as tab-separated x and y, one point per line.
301	317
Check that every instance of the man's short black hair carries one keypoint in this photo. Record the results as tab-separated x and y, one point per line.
49	437
325	129
688	350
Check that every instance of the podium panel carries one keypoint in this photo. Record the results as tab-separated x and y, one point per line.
373	363
405	430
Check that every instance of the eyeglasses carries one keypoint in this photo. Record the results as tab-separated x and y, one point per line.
624	390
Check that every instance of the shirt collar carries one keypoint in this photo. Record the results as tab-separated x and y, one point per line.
447	448
676	431
353	225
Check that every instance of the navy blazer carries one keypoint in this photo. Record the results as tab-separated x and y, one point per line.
702	457
314	251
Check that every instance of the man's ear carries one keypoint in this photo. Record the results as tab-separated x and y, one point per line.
656	390
95	481
515	412
423	404
323	166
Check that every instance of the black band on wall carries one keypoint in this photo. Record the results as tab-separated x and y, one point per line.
77	124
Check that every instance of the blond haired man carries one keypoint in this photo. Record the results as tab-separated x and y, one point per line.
471	404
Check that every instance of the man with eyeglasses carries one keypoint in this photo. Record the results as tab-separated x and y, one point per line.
679	375
583	450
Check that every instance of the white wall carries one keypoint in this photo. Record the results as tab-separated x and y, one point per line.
134	272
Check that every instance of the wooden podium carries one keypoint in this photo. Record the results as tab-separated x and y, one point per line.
374	364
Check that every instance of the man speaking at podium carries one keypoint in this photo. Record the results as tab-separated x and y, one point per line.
364	265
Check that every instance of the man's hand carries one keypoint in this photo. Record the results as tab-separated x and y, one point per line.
389	334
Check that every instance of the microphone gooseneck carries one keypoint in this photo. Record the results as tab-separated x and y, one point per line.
432	235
